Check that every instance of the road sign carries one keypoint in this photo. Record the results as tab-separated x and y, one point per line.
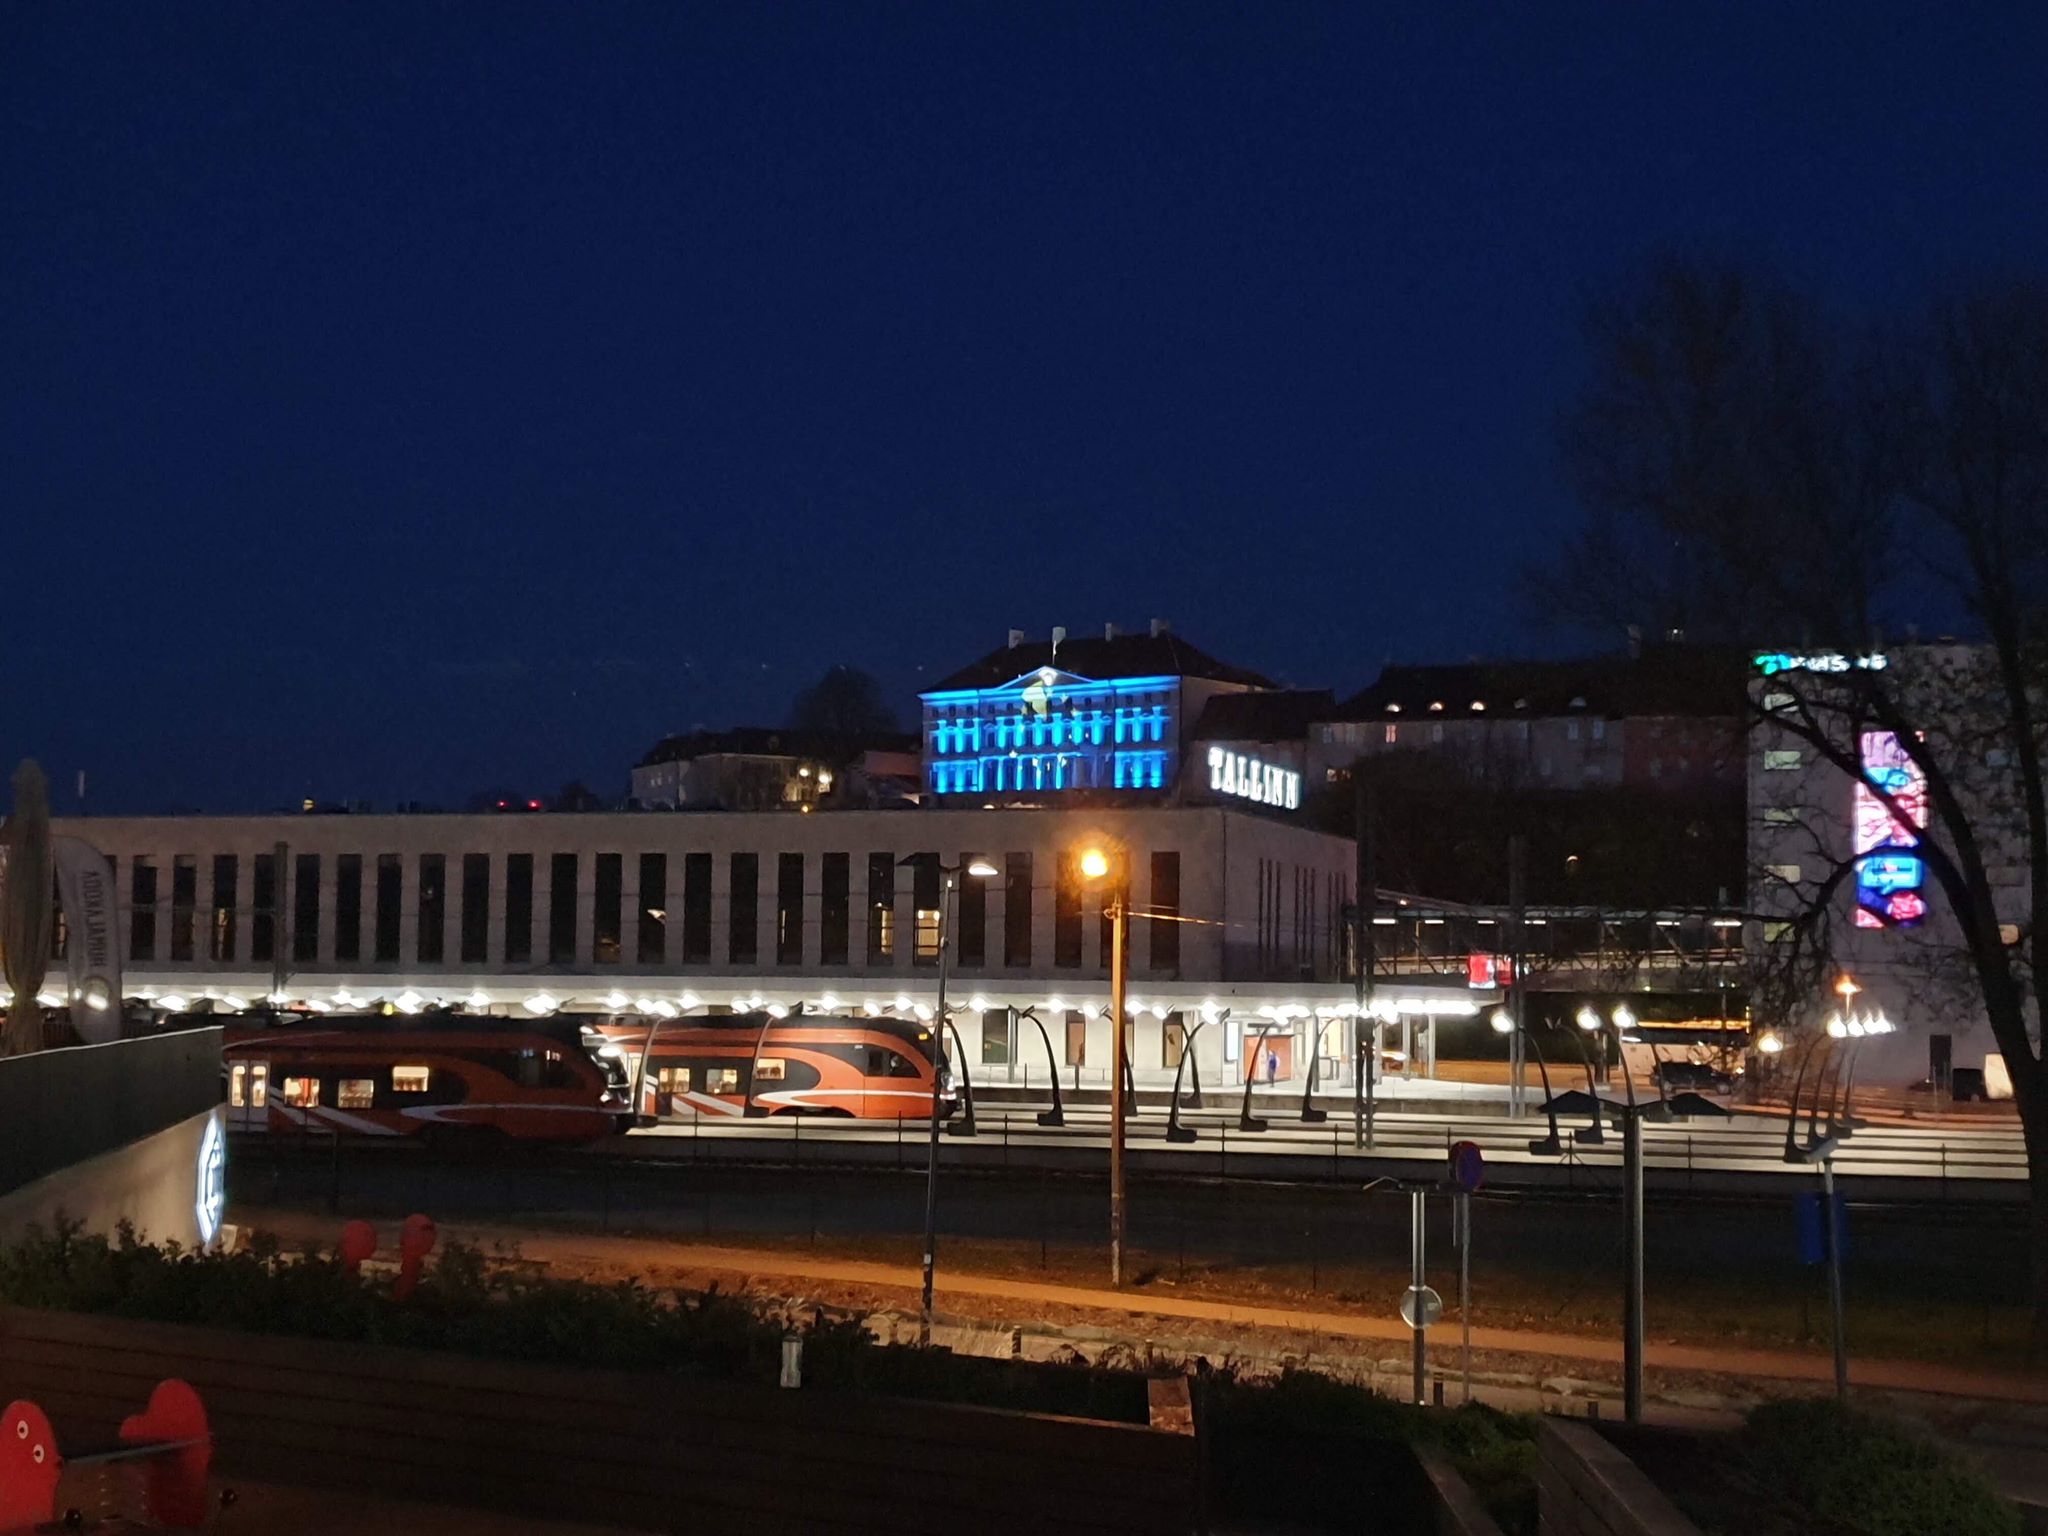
1468	1166
1421	1306
1806	1209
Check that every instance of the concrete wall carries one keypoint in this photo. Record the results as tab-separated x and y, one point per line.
152	1183
1585	1487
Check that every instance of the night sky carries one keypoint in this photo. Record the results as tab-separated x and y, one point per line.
399	401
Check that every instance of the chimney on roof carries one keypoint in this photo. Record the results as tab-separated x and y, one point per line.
1059	633
1160	627
1016	638
1109	631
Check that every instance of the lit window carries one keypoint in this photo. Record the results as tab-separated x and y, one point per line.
769	1069
409	1079
1781	760
356	1093
259	1085
1777	933
1781	816
302	1092
1789	873
1393	733
721	1079
1777	700
237	1085
2008	933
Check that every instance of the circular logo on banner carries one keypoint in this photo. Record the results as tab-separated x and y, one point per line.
211	1202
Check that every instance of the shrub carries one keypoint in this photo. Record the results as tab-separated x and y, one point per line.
1867	1474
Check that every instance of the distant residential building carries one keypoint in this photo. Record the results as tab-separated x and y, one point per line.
1669	718
761	769
1043	721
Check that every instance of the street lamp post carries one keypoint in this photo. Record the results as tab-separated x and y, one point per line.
949	874
1106	864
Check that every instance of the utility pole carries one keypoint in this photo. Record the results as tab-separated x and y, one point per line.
1418	1283
1119	965
1632	1313
1831	1240
931	1167
1518	898
1365	906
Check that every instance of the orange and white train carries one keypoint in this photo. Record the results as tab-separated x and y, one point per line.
758	1064
439	1076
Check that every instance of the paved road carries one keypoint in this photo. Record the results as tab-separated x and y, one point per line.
1896	1253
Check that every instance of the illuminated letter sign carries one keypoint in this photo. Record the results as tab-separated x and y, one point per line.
211	1198
1262	783
1770	663
1890	873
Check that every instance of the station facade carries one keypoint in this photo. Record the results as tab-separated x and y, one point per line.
1239	919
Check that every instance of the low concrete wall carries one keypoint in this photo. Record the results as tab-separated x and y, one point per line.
153	1183
648	1450
1457	1508
1585	1487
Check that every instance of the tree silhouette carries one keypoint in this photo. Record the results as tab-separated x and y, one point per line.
845	701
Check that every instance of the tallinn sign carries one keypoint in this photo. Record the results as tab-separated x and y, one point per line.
1249	778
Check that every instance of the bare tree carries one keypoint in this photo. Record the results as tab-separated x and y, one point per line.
846	702
1742	455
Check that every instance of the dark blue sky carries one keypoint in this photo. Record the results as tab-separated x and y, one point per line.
399	400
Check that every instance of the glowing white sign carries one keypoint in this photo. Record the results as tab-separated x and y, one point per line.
1770	663
212	1196
1262	783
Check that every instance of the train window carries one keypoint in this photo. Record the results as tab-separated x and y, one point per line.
885	1061
672	1080
259	1085
769	1069
526	1069
238	1085
302	1092
555	1071
409	1079
721	1079
356	1092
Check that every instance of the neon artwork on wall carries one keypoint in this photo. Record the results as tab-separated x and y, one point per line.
1891	873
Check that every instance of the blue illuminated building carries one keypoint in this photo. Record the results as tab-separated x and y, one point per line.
1050	719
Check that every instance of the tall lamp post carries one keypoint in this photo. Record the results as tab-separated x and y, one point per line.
1107	863
949	874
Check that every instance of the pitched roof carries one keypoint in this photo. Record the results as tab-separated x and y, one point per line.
771	741
1279	715
1095	656
1696	681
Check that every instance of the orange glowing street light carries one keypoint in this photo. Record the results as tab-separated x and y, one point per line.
1094	863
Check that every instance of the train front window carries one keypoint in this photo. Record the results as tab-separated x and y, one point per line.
769	1069
302	1092
259	1085
409	1079
238	1089
356	1092
885	1061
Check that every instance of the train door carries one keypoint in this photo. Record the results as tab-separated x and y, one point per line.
249	1096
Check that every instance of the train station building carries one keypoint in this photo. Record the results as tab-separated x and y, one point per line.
1239	919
